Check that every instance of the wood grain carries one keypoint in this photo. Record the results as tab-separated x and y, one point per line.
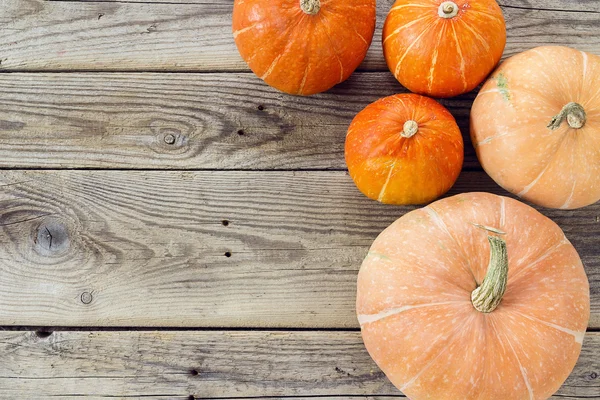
245	364
203	249
37	35
184	121
560	5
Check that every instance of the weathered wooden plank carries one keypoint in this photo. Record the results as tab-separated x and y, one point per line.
215	120
560	5
202	249
42	35
220	364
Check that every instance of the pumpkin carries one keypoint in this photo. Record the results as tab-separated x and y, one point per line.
443	49
404	149
536	127
476	296
303	47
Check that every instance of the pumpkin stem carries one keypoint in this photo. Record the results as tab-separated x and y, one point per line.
448	9
489	294
310	7
410	129
573	113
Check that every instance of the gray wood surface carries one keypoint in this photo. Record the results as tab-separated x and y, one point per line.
203	249
216	364
157	36
245	364
203	246
125	120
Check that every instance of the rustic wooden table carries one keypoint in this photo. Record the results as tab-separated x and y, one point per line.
173	228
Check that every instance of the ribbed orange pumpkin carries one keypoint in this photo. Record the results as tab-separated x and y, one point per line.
404	149
536	126
303	47
443	48
428	291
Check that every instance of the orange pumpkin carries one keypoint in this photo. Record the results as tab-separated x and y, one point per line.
443	48
536	127
476	296
303	46
404	149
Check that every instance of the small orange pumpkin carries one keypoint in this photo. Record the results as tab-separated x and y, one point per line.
476	296
536	126
303	47
404	149
443	48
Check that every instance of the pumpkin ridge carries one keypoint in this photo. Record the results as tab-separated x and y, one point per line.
242	30
527	188
409	48
437	220
513	278
572	193
409	5
523	371
451	335
484	44
387	181
407	25
462	59
332	46
364	319
492	17
578	336
434	59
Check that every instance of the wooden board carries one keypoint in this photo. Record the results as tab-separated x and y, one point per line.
38	35
203	249
184	121
206	365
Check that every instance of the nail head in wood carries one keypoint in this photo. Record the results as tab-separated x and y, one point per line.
86	297
170	139
43	334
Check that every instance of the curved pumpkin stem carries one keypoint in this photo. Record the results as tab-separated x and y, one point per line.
489	294
575	115
310	7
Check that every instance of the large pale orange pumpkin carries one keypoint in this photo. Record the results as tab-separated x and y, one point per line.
476	296
404	149
303	46
443	48
536	126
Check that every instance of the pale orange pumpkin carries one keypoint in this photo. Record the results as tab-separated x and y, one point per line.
303	47
443	48
536	126
475	296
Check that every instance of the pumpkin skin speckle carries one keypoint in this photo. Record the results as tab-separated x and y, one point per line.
511	132
443	56
418	322
303	53
394	169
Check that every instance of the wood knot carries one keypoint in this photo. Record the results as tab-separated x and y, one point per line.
52	238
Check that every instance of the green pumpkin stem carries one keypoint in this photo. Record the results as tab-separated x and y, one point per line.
489	294
573	113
